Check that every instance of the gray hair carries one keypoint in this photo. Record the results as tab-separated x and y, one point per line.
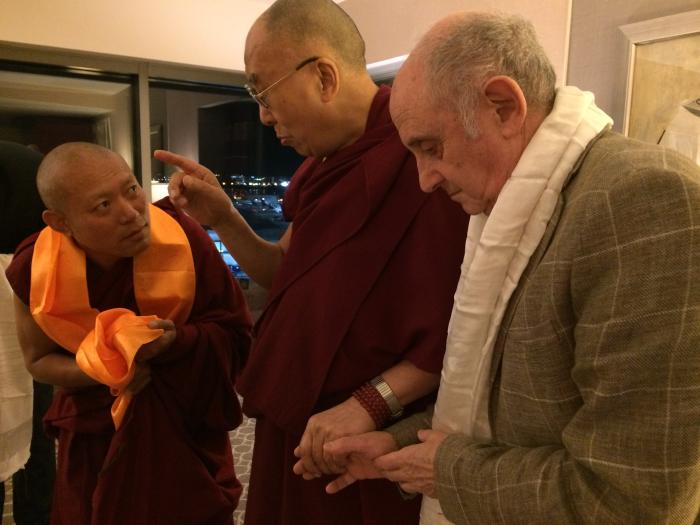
304	20
473	47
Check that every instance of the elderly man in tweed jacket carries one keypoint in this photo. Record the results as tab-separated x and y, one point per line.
570	390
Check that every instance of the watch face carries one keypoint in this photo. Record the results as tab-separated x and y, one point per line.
388	395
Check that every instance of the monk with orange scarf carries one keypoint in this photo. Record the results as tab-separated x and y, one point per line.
131	311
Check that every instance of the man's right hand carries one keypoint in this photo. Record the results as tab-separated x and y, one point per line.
196	190
357	454
159	345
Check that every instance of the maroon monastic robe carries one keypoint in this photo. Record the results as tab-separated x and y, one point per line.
367	282
170	462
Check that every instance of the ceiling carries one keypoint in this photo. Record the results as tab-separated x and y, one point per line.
208	34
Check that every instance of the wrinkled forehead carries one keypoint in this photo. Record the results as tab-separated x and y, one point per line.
270	55
265	52
96	175
408	92
255	43
92	166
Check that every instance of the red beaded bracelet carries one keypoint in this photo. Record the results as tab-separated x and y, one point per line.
375	405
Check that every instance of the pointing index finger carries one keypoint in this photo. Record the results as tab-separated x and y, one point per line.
186	165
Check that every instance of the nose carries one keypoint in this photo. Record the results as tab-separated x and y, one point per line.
129	211
429	178
266	116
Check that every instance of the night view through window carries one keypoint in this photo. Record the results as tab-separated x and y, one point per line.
259	201
251	165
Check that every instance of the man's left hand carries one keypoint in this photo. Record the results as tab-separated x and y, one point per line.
412	466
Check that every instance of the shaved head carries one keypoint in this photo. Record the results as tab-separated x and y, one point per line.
316	50
92	197
301	21
56	172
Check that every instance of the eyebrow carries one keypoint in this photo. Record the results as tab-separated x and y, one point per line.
95	199
106	194
415	141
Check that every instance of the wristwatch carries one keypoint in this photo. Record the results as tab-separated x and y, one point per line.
388	395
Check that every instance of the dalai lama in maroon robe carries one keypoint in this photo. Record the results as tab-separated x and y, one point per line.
348	303
361	283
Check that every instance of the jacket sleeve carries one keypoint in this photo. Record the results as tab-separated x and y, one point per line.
631	452
405	431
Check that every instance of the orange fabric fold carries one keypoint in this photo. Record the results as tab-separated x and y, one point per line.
106	343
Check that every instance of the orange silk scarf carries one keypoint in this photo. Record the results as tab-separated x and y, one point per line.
106	343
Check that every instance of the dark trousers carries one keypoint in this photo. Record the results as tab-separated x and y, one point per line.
32	486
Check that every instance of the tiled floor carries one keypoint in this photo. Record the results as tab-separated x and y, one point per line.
242	445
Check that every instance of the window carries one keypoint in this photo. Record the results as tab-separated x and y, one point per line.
219	128
45	106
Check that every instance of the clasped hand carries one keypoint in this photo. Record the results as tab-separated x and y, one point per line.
346	419
159	345
375	455
142	370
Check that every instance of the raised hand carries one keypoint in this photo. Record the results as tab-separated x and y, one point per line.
196	190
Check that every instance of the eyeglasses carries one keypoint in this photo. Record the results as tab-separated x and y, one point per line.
260	97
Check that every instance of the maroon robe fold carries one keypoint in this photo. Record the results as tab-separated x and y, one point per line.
170	462
367	282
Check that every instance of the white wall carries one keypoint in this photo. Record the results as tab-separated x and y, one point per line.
598	49
211	33
207	33
392	27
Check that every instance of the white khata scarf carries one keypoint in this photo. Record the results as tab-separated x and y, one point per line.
497	250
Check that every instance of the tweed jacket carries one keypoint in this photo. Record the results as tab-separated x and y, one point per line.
595	397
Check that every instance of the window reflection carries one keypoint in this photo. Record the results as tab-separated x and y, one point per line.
46	110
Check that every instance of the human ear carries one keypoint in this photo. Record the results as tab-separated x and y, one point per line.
329	77
56	221
508	103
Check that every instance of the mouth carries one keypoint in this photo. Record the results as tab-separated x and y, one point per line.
135	233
